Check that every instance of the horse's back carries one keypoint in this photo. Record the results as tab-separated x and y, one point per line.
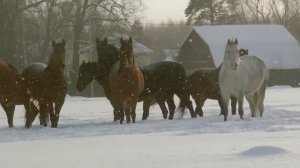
34	69
253	62
204	82
163	75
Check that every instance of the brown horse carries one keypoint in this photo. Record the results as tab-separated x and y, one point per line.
10	90
126	82
47	85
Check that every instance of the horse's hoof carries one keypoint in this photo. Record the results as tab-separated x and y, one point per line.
11	126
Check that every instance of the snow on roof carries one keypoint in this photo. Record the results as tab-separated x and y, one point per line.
138	48
273	43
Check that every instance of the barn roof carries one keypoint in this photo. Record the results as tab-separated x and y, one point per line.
273	43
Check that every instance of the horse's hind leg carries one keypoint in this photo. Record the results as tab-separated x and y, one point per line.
250	99
222	106
260	103
31	112
9	110
163	108
146	107
199	104
172	107
188	103
261	98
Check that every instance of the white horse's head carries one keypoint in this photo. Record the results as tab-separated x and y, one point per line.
231	57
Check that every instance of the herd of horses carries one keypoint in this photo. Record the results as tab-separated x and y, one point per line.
42	88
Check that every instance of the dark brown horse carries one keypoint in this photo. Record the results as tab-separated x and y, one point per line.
163	80
126	82
204	84
11	93
47	85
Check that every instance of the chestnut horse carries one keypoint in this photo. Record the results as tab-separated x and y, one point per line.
10	90
47	85
126	82
162	80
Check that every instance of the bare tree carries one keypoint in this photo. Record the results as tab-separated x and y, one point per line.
10	27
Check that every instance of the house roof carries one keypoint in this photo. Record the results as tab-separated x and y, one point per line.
273	43
138	48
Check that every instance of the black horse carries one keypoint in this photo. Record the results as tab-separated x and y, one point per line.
204	84
163	80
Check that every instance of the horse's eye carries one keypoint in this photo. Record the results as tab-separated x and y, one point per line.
62	66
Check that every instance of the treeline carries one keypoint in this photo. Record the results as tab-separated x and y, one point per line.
214	12
28	26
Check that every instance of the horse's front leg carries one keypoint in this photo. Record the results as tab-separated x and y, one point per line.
233	104
241	106
127	113
9	110
121	115
44	112
226	98
172	107
133	114
57	108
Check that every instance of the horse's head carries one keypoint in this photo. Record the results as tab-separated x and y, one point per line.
58	58
107	53
102	47
232	57
88	72
243	52
126	53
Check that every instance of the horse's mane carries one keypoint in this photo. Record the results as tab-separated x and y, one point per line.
13	68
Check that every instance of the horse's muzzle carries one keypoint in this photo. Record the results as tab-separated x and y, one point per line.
234	66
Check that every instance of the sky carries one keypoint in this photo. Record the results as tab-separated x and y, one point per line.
162	10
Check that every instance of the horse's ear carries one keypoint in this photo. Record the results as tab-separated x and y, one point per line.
121	40
235	41
64	42
105	40
130	40
97	40
83	62
228	41
53	43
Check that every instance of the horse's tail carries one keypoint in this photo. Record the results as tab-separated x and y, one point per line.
261	93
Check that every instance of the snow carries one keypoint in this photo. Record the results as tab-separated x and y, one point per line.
87	137
273	43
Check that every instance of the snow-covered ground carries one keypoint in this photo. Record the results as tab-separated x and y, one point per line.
88	138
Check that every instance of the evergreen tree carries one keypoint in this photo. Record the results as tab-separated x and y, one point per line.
205	12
